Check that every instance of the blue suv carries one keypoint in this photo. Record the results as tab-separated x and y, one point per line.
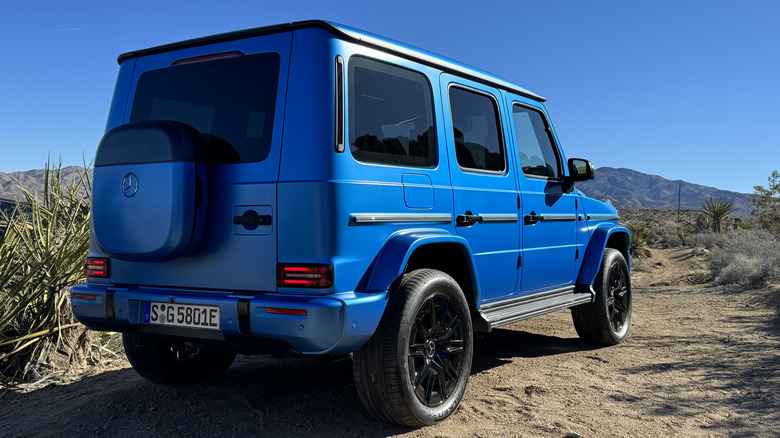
314	189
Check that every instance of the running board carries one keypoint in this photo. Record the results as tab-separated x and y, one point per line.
516	309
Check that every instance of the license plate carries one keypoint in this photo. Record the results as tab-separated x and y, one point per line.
182	315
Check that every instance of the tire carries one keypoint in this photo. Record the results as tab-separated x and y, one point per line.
175	363
607	319
414	369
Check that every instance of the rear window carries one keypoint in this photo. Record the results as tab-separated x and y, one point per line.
390	115
231	101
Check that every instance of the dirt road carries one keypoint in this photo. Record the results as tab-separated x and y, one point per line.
700	360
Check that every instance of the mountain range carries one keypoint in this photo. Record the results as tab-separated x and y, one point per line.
627	188
31	180
624	188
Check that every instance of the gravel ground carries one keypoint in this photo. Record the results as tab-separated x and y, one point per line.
700	360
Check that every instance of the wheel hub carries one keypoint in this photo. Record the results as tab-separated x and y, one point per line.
430	347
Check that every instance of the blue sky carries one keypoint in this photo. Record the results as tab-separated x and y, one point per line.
682	89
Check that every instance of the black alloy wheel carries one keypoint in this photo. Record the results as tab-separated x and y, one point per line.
415	368
436	351
607	319
618	297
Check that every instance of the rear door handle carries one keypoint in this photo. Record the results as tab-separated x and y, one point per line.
252	220
532	218
467	220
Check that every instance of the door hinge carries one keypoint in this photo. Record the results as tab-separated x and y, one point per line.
576	204
577	254
519	202
519	261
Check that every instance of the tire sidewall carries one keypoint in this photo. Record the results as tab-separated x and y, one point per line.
614	260
440	285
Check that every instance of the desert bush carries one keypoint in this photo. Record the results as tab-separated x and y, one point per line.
40	259
746	257
657	228
767	202
706	239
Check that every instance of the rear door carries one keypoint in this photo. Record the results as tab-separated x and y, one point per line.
233	93
483	183
548	213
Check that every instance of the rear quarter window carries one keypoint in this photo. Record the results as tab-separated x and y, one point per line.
231	101
390	115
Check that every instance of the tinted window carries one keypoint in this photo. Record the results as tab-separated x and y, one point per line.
390	115
231	101
476	130
538	156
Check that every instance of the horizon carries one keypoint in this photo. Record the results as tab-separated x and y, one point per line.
636	86
597	169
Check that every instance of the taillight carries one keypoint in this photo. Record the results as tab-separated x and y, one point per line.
89	297
304	275
96	267
281	311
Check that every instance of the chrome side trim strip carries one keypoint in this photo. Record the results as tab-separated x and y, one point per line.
383	218
499	218
603	217
559	217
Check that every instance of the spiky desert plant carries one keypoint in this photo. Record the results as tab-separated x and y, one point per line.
40	259
639	234
716	211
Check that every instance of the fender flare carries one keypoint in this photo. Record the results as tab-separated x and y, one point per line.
389	264
591	263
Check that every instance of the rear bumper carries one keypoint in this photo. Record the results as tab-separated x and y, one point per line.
333	324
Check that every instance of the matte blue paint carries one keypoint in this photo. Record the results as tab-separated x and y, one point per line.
595	252
418	190
157	222
312	193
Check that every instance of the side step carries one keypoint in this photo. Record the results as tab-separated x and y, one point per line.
516	309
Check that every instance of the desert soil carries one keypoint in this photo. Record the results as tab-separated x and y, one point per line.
700	360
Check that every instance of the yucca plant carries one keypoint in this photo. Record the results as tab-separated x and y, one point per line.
716	211
639	235
40	259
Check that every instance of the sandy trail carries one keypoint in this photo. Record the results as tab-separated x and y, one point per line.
700	360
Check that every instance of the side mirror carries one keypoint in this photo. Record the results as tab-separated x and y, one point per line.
579	170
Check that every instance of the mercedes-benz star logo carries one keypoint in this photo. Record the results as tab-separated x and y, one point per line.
129	185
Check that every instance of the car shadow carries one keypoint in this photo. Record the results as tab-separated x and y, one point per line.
500	346
258	396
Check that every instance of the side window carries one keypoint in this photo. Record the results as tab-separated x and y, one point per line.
390	115
538	156
476	129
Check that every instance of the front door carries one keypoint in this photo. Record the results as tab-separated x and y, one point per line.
548	214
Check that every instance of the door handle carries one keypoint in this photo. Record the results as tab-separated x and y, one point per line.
467	220
252	219
532	218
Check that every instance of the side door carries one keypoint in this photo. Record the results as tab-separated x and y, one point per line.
483	183
548	215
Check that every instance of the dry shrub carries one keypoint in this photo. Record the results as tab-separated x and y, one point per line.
659	229
706	239
746	257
